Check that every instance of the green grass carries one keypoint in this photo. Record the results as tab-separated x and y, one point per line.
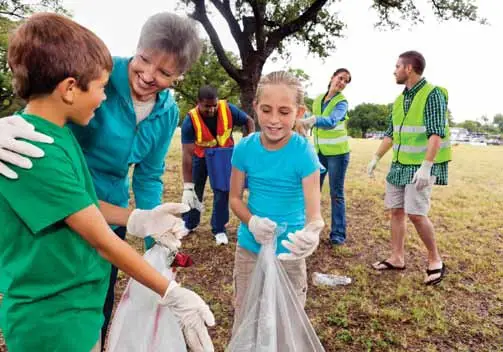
384	311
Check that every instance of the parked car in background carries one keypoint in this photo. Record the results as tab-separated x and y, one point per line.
495	141
375	135
479	142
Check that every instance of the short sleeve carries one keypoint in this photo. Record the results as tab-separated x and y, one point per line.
239	155
239	117
308	161
188	134
48	192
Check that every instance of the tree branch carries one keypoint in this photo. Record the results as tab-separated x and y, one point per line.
383	9
275	37
13	12
241	40
258	8
437	9
201	15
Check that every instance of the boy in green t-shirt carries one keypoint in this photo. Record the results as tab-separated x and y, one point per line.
55	241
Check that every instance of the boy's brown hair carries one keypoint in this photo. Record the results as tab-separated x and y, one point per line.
47	48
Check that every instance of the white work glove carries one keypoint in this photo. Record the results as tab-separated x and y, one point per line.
192	314
303	242
11	128
308	122
160	223
372	165
189	197
262	229
422	176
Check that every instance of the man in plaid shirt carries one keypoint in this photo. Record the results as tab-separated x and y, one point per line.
419	135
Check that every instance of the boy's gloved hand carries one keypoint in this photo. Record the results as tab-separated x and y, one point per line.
303	242
189	197
422	176
262	229
192	314
11	149
168	239
160	223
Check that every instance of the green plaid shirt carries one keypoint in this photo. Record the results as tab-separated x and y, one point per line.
434	121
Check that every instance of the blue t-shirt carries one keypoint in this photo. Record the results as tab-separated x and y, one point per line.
239	118
274	183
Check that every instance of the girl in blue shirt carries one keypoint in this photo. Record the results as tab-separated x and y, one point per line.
283	176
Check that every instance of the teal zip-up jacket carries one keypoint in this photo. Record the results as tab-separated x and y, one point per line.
112	142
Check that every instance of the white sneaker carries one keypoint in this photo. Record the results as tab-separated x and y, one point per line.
221	238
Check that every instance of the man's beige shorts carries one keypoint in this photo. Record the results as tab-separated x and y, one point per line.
244	263
413	202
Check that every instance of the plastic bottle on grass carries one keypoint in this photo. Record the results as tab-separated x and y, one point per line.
330	280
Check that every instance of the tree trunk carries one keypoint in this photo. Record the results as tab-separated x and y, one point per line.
246	97
248	86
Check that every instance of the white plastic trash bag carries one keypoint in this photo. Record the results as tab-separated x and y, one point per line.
273	319
140	324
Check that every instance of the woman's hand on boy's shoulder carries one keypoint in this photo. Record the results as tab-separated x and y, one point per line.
12	149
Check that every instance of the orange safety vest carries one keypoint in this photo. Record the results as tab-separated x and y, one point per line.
204	138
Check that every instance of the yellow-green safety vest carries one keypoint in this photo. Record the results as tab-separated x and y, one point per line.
334	141
410	140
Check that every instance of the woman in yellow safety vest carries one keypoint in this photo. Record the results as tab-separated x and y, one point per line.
331	143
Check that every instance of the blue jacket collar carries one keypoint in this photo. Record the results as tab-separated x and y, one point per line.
120	81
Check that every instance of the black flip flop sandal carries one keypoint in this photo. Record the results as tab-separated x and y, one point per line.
435	271
388	266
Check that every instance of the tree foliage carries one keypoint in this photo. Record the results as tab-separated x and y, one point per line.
393	13
9	103
207	71
263	27
11	12
482	124
17	9
498	121
368	117
470	125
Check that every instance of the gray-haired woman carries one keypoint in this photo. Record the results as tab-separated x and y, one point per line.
134	126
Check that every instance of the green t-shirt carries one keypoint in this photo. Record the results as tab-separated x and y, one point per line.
54	282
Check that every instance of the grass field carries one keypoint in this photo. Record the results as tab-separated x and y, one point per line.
384	311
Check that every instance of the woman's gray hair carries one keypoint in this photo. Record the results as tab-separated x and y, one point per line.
172	34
